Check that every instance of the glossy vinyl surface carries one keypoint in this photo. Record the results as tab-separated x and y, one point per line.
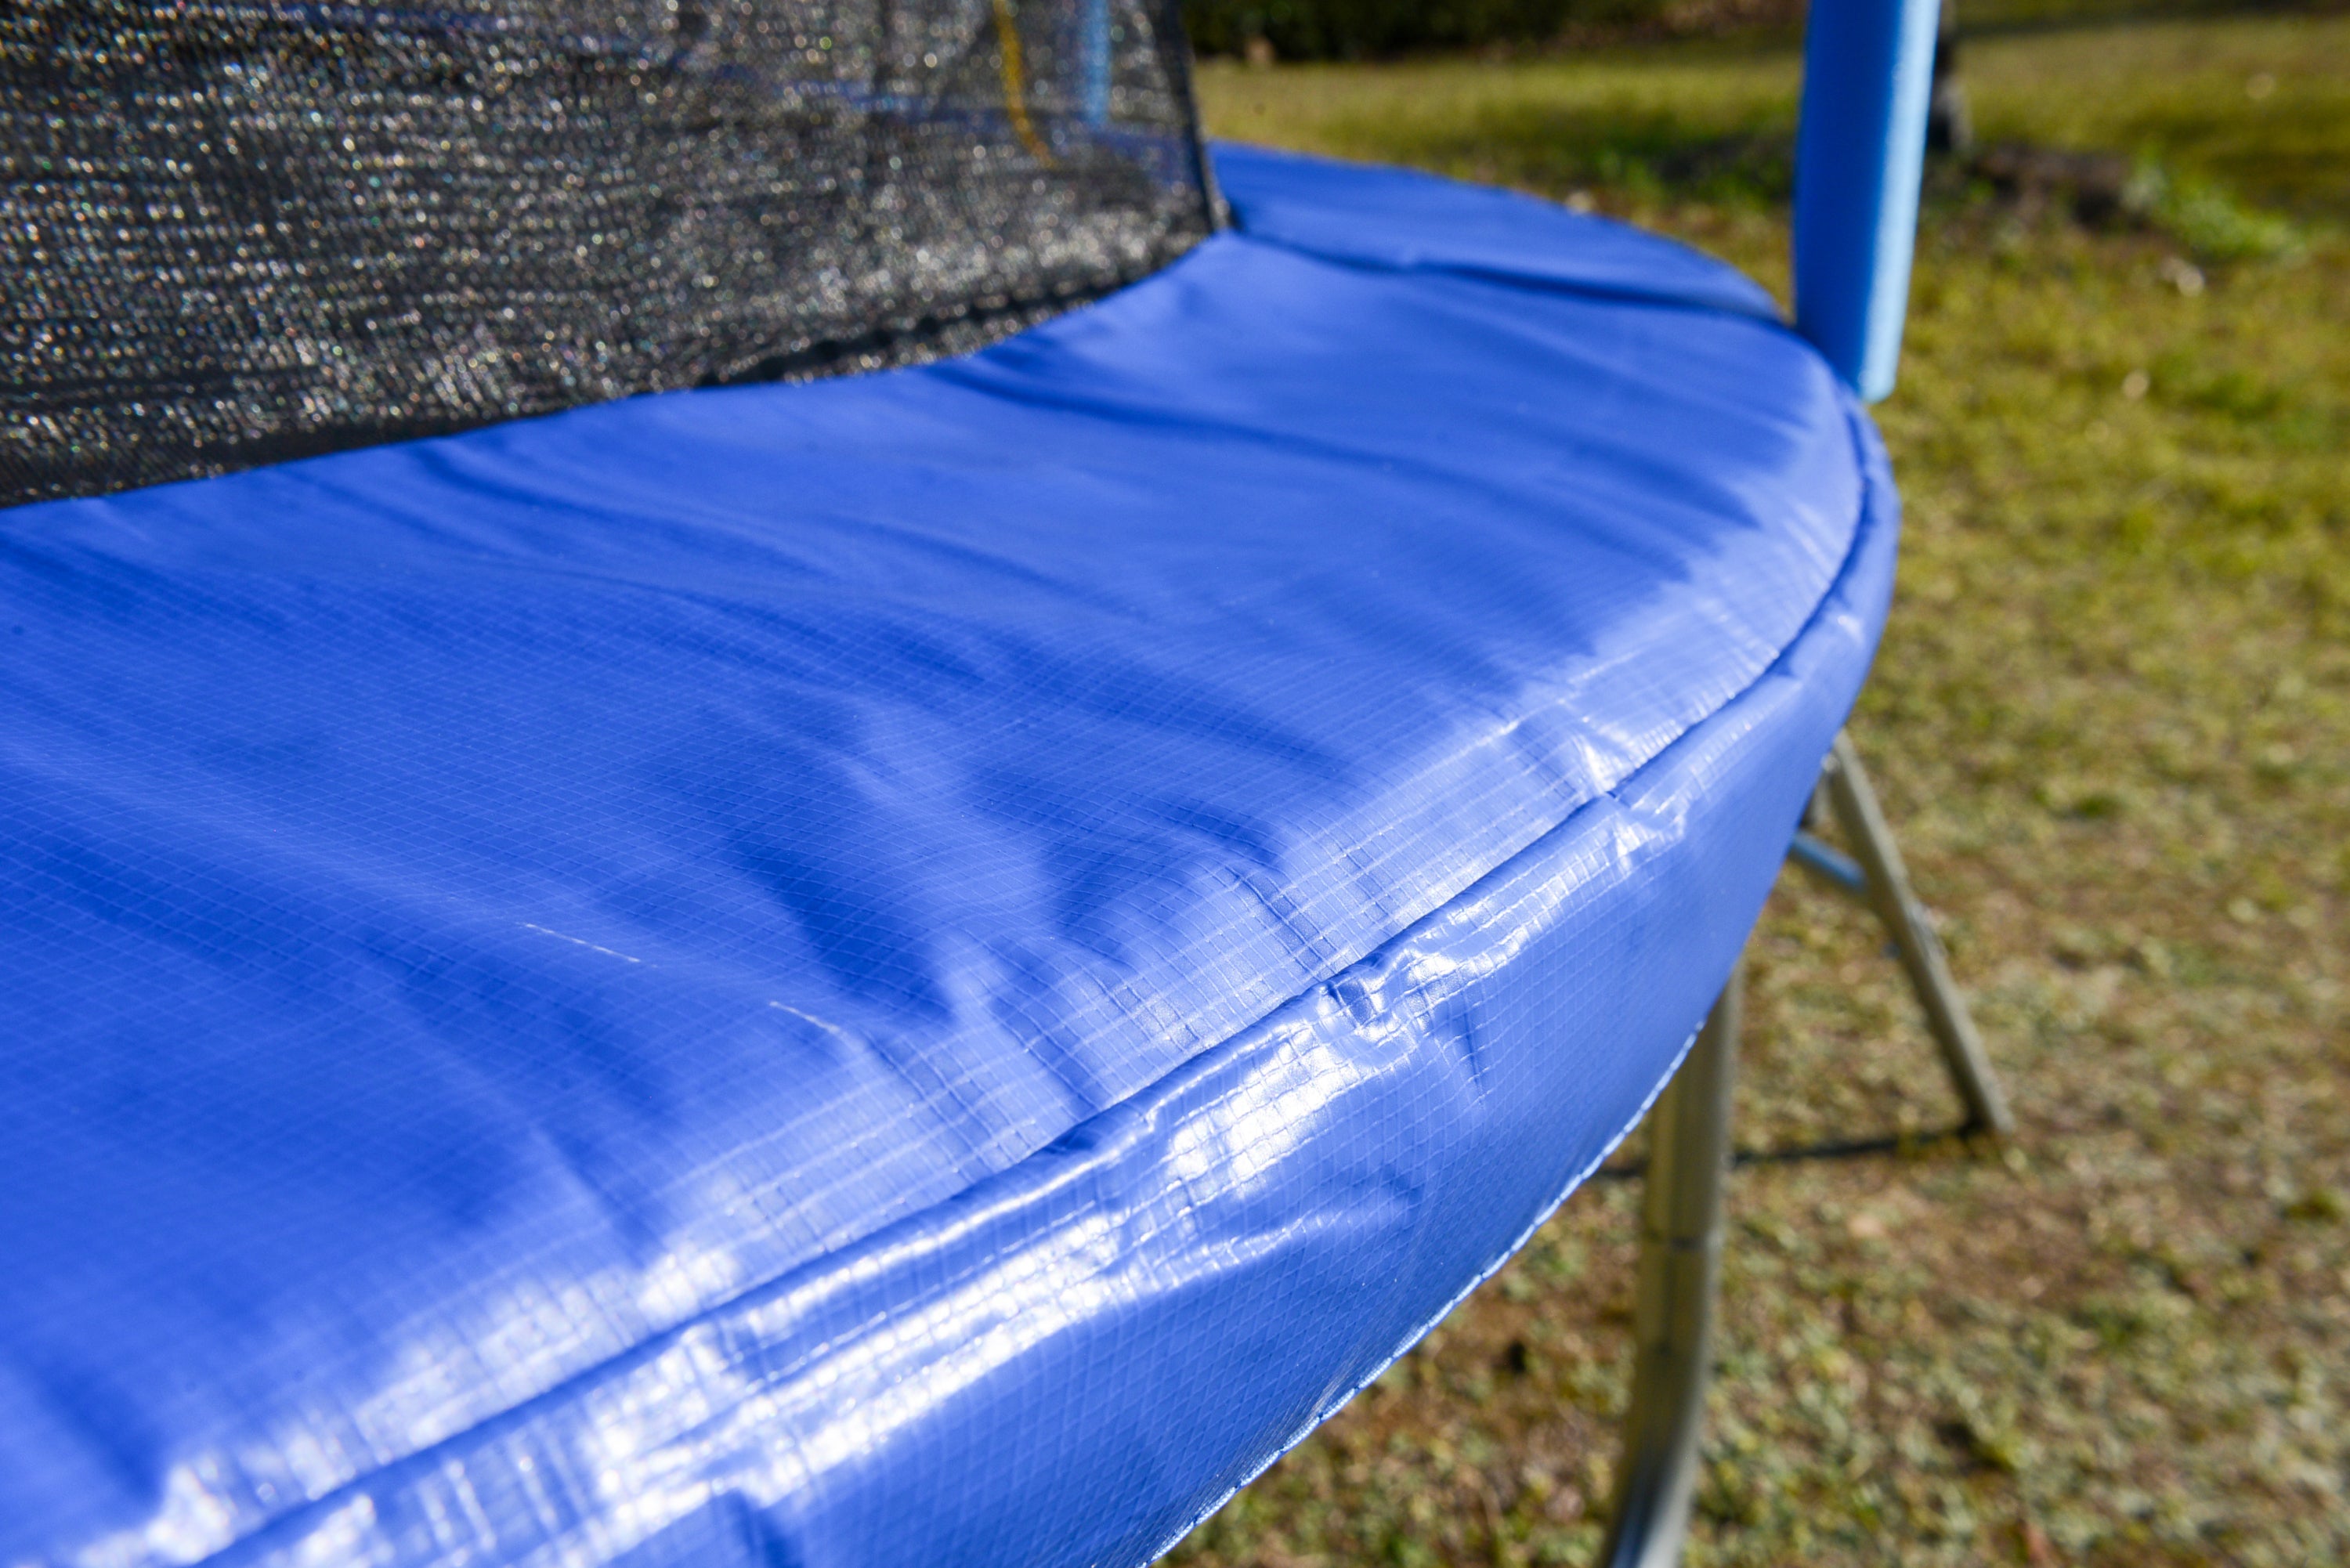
918	968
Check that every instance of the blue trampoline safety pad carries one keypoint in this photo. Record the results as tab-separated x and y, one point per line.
919	968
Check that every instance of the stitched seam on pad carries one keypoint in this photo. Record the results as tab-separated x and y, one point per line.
1532	282
1768	310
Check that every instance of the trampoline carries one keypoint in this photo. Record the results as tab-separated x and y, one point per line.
927	942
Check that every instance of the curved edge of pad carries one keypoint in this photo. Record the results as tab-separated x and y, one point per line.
1403	220
1786	694
1031	1372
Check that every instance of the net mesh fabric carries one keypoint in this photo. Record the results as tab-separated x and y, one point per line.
238	231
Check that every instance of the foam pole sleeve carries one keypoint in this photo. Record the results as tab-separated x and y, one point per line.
1859	154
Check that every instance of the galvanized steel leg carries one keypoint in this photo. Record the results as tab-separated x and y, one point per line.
1875	879
1689	1161
1680	1261
1886	891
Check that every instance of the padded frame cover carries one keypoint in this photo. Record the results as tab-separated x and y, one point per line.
922	967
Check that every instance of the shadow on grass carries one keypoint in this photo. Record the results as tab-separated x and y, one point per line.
1909	1145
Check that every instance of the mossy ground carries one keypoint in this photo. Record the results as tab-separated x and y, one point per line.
2111	720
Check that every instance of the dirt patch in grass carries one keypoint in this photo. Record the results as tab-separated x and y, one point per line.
2112	723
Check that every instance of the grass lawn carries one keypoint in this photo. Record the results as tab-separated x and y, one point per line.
2112	720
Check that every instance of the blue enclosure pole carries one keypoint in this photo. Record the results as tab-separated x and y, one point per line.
1869	69
1094	61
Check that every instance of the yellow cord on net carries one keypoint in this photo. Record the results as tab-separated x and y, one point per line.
1015	83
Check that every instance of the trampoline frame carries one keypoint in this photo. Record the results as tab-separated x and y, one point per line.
1875	879
1689	1165
1681	1269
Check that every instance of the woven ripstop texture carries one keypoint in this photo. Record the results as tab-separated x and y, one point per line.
234	231
921	967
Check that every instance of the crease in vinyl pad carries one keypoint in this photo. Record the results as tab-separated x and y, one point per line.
543	954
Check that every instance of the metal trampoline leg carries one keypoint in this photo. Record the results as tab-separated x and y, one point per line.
1680	1260
1853	803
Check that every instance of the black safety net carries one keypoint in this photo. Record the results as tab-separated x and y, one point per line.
238	231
